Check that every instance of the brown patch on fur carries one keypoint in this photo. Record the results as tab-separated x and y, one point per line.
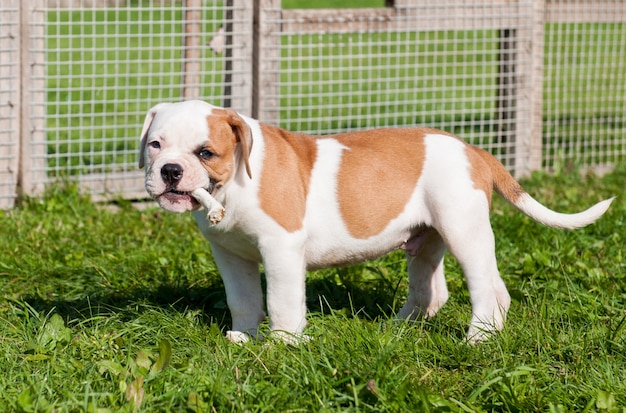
480	172
286	174
488	172
239	129
378	174
222	142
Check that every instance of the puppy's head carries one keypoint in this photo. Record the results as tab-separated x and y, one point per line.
190	145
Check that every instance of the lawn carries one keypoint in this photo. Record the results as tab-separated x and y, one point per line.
109	308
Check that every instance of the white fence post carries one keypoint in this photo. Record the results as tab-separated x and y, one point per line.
267	26
239	34
191	53
529	108
9	100
32	160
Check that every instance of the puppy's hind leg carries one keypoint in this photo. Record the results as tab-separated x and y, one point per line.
470	239
427	284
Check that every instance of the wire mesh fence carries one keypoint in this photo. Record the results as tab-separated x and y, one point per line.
9	110
539	83
416	65
584	118
106	66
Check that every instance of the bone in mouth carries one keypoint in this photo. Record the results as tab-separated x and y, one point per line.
215	210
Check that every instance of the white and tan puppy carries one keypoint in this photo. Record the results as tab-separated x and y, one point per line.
294	202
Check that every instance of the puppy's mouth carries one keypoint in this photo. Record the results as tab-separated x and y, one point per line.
175	196
178	197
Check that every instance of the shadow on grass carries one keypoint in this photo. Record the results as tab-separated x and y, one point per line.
93	302
343	290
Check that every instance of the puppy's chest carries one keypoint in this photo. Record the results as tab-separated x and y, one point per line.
232	239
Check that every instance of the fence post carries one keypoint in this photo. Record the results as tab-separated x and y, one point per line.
9	101
238	52
535	146
191	52
529	108
32	175
266	57
229	30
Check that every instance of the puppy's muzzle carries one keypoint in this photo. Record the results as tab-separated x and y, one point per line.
172	173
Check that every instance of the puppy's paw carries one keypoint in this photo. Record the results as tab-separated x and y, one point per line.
237	337
476	335
215	215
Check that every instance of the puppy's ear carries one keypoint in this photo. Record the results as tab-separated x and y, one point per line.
244	137
144	131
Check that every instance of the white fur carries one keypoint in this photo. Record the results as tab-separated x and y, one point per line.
445	212
529	206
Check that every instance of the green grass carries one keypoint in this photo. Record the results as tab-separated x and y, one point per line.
107	310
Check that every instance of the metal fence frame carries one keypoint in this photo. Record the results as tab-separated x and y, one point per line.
253	35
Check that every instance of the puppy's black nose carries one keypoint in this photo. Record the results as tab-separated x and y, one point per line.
171	173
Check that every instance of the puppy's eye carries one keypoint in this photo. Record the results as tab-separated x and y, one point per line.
205	154
155	144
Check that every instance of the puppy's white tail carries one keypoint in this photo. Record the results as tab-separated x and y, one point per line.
513	192
529	206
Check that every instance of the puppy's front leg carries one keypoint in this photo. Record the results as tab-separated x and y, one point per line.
244	296
285	272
